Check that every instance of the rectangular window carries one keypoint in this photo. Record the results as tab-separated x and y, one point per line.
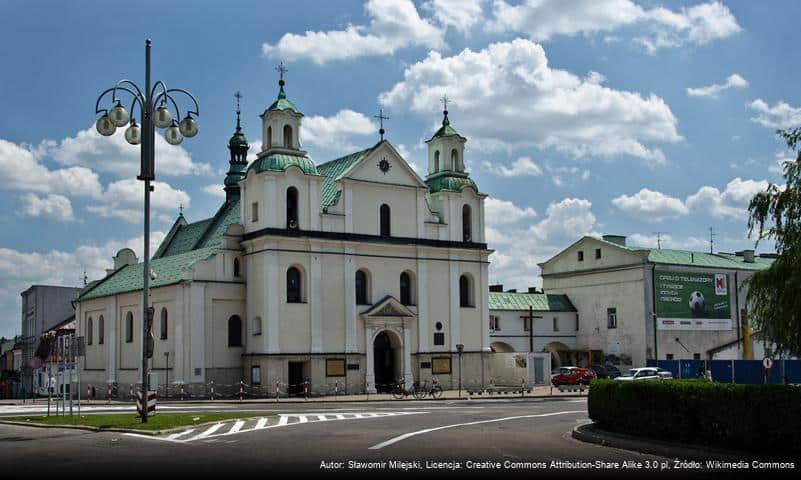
254	212
555	324
440	365
597	253
526	324
334	367
669	356
577	322
495	322
255	375
611	318
696	356
581	255
439	338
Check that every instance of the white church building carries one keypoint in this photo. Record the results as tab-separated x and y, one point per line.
352	272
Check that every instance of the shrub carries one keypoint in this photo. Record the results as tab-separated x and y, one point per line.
723	415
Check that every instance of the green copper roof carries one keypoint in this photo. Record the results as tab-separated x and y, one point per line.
169	270
336	169
283	103
445	130
450	182
201	234
700	259
238	139
540	302
279	162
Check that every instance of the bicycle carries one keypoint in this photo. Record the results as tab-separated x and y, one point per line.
435	391
399	392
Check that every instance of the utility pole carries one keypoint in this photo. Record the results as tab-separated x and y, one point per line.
711	240
659	239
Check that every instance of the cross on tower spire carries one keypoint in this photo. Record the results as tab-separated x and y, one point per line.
444	101
381	119
181	209
238	97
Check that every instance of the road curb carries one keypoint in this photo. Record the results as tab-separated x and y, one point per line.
120	430
590	433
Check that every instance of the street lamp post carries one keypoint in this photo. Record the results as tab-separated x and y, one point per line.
166	375
154	107
460	349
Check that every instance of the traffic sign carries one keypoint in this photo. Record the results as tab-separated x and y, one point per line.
767	363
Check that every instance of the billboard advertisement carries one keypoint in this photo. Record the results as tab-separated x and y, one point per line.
692	301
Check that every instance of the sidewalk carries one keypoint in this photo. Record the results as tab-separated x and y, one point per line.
536	392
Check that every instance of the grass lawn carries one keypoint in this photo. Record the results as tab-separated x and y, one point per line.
161	421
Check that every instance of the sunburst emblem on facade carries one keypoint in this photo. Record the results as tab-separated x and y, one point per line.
384	165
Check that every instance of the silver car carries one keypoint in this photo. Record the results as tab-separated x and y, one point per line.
645	373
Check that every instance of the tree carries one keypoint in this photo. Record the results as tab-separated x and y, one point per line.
774	294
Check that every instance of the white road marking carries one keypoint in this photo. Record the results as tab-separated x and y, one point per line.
237	426
211	434
429	430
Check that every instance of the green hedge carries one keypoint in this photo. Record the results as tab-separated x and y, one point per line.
745	417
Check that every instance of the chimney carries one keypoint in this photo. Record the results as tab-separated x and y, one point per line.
496	288
533	290
616	239
748	256
124	257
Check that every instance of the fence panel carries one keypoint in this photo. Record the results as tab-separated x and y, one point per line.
689	368
671	365
721	370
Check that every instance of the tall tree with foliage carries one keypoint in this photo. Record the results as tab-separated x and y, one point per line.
774	294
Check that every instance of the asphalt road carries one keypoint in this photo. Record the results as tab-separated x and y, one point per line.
434	438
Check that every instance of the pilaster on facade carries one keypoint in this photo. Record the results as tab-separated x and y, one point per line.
180	321
484	299
348	196
270	297
423	321
197	316
270	202
315	300
351	345
111	343
455	322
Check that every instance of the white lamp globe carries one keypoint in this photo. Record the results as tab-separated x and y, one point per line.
119	115
173	134
162	118
105	126
133	134
188	127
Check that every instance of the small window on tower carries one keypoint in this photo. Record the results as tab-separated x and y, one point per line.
254	212
581	255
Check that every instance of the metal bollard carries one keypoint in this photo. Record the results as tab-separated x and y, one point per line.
130	391
306	389
182	391
212	389
108	393
277	391
241	390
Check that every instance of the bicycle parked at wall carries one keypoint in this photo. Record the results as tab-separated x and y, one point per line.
399	391
435	391
419	392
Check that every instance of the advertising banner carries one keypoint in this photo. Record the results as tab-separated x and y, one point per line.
692	301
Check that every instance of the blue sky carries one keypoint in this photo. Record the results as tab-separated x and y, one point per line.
614	116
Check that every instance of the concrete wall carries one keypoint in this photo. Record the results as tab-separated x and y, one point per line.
512	333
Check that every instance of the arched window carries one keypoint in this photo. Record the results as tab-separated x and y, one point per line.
163	324
89	328
405	289
436	161
101	330
287	136
236	267
467	220
291	207
269	137
465	291
256	326
385	220
293	285
455	159
235	331
362	288
129	327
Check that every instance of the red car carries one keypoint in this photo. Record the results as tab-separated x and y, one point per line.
573	376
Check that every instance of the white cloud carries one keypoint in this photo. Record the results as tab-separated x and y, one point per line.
731	202
665	240
780	159
713	91
394	24
462	15
416	165
651	206
565	221
123	199
523	166
541	20
780	115
20	269
567	176
509	98
504	212
53	206
336	132
21	169
215	189
116	156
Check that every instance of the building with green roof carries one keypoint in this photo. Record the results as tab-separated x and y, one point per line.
306	269
641	303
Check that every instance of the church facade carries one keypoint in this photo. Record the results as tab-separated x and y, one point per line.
351	274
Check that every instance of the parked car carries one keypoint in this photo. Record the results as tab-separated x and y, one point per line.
646	373
606	371
573	376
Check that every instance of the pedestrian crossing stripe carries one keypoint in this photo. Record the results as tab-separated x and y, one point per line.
235	427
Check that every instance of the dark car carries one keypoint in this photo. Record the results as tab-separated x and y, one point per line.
606	371
573	376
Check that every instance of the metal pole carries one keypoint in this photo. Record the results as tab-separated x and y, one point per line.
166	375
147	152
530	328
72	365
460	374
63	375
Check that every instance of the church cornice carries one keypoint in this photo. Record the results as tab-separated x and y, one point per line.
362	237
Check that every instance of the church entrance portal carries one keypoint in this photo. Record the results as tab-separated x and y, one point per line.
387	362
295	378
